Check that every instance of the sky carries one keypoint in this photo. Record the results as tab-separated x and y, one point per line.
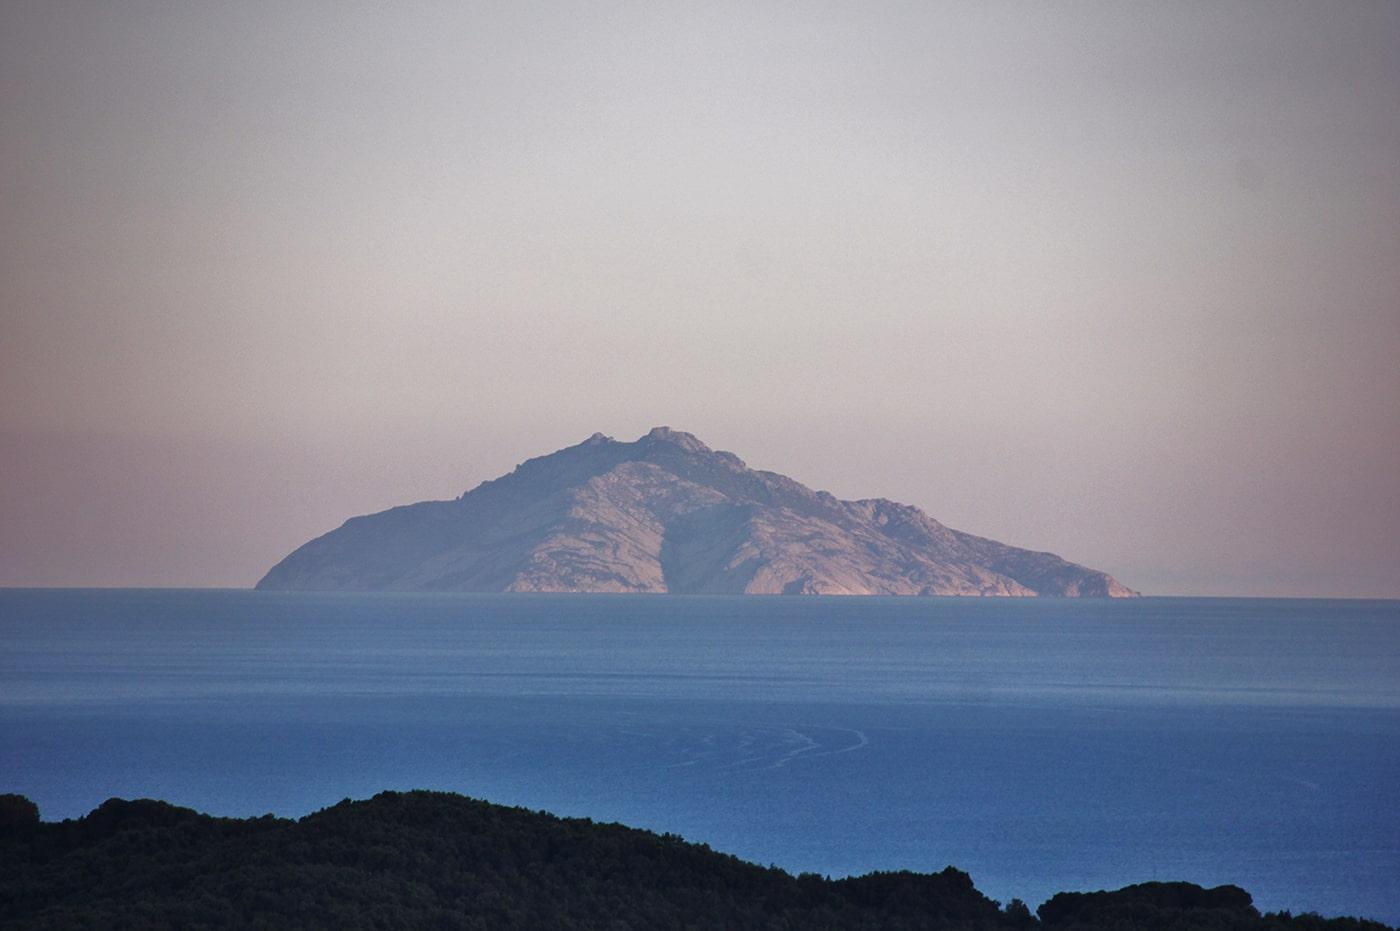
1120	281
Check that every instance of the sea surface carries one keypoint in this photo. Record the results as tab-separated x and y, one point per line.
1041	745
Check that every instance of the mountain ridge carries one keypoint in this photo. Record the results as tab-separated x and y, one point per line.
666	513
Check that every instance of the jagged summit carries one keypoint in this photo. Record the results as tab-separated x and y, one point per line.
666	513
686	441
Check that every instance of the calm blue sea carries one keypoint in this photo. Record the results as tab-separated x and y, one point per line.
1042	745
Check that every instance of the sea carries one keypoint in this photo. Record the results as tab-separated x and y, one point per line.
1039	744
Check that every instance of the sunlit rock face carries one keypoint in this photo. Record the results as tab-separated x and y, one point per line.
666	513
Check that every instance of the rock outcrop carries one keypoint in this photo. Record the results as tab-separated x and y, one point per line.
668	514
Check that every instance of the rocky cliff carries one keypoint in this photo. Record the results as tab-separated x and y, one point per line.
668	514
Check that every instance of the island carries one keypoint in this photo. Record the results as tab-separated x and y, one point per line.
666	513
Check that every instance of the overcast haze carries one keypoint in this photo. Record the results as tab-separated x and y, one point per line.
1121	281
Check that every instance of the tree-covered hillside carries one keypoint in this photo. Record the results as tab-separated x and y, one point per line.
437	860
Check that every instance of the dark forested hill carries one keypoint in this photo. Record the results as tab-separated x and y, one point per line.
436	860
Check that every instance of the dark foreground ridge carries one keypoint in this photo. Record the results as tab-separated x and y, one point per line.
665	513
438	860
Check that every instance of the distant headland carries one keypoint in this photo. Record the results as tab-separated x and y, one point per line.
665	513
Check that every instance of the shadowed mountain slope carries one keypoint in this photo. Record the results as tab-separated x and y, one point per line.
668	514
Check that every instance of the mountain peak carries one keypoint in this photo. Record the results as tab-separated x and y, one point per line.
686	441
665	513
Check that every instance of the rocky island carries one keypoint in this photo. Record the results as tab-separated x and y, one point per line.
665	513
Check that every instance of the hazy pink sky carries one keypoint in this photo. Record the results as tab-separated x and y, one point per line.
1121	281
